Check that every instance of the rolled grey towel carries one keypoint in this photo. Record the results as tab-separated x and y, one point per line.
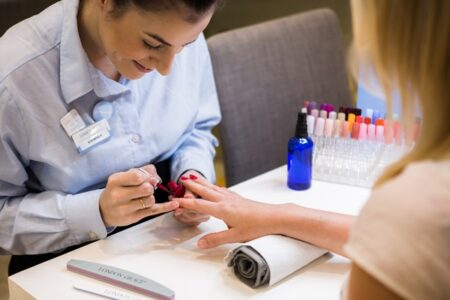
249	266
269	259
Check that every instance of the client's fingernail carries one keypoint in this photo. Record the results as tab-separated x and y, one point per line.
184	178
193	177
202	244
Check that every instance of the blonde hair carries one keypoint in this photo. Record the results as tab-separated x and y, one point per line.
407	44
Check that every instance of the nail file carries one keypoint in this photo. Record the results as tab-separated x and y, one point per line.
121	278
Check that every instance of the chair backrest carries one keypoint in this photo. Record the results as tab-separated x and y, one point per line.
263	74
14	11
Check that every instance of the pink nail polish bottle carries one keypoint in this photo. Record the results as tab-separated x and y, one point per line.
371	132
332	115
388	132
379	132
362	132
329	127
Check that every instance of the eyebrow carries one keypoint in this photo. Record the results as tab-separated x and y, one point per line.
163	41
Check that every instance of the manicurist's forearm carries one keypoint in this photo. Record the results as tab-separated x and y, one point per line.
324	229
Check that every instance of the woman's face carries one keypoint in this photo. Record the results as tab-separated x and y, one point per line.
139	42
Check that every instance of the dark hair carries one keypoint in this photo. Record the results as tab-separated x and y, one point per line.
193	9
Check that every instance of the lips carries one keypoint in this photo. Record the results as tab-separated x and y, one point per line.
141	68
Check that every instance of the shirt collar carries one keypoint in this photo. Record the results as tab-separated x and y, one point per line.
77	75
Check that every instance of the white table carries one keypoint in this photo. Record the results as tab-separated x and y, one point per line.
165	251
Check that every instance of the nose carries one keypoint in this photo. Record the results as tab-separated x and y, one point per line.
166	60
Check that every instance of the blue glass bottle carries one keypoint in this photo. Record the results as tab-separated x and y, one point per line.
300	154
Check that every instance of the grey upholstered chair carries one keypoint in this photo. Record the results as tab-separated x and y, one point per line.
263	74
14	11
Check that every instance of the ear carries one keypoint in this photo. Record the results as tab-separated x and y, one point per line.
106	6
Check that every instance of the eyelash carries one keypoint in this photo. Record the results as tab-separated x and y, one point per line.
148	46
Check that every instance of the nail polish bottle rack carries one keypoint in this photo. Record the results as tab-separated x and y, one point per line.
353	162
353	149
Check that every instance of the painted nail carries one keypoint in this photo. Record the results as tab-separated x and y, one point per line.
176	190
184	178
193	177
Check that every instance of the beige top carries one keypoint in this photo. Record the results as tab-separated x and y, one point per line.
402	236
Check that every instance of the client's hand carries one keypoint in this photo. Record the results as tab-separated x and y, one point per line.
245	218
187	216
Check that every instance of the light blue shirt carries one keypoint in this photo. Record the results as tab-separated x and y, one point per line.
49	193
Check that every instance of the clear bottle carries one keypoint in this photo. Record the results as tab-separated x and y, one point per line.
300	156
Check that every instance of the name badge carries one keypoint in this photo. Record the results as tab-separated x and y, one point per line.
72	122
91	136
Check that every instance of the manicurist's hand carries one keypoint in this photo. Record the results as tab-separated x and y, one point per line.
246	219
188	216
128	197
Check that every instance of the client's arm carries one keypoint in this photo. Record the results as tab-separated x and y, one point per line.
248	219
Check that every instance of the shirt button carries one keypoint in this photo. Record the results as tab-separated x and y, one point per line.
92	236
136	138
102	110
